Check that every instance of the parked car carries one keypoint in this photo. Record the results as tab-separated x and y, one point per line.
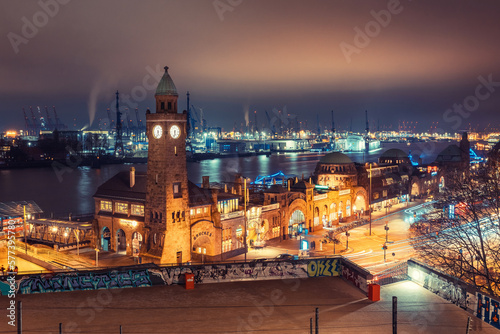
259	260
430	198
285	257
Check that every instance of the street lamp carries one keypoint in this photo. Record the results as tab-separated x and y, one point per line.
386	228
97	257
347	240
384	247
245	217
370	200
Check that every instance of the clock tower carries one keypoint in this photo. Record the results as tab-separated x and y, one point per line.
166	210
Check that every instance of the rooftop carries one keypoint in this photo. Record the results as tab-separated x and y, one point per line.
335	158
166	85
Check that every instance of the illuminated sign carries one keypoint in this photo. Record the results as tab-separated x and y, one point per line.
129	223
344	192
199	234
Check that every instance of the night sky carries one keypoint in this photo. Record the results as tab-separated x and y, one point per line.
238	56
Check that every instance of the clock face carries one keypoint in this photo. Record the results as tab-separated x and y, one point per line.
175	132
157	131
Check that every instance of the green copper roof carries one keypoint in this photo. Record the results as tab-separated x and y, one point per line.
335	158
166	85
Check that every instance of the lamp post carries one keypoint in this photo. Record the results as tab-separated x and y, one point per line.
97	257
77	237
347	240
384	247
370	200
25	232
386	228
245	217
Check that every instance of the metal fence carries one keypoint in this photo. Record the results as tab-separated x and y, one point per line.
394	274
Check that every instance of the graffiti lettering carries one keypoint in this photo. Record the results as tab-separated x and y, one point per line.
87	281
116	279
487	310
317	268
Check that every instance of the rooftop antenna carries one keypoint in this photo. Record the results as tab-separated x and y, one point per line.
333	124
367	126
367	140
255	122
317	122
58	121
49	120
190	130
118	137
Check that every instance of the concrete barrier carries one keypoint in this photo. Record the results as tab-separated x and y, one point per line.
456	291
150	275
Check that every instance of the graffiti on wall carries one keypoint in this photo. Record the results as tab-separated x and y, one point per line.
230	272
440	285
353	277
213	273
446	289
83	281
487	310
328	267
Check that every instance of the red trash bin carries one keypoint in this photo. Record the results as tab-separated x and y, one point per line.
374	292
189	281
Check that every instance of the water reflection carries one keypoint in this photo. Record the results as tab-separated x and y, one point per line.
73	191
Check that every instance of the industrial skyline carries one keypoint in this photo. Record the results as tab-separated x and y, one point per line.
400	60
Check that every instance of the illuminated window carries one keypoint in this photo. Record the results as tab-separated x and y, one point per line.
138	210
121	208
191	212
239	232
106	206
198	211
205	209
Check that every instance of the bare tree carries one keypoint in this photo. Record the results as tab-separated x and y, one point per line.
462	237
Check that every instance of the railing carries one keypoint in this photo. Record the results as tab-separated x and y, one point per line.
320	197
231	215
348	227
392	275
274	206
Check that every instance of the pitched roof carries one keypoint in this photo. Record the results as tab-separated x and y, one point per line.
119	187
199	196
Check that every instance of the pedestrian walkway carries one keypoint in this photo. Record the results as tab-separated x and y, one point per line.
275	306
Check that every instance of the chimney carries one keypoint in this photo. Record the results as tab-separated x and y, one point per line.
206	182
132	177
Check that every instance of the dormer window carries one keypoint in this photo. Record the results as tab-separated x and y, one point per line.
163	106
170	106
